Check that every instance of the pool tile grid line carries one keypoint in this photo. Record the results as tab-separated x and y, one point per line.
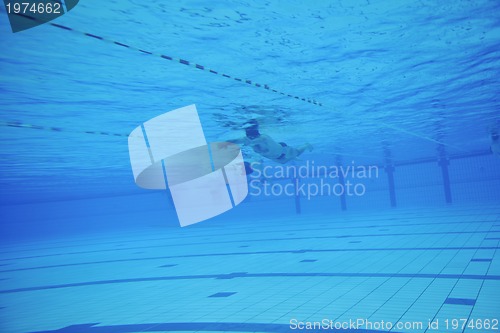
251	253
429	285
353	287
253	276
472	259
409	280
255	240
367	296
261	232
470	302
480	289
152	258
375	311
197	327
420	255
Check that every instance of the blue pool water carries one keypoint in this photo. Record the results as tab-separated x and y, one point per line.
407	90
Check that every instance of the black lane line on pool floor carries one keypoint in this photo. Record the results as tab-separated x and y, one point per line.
253	253
197	327
246	232
255	240
229	276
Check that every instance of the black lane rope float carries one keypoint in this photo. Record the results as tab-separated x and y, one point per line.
178	60
19	124
56	129
206	69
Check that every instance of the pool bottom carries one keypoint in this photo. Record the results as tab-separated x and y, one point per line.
413	268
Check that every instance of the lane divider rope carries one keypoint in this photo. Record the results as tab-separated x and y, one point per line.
209	70
180	61
56	129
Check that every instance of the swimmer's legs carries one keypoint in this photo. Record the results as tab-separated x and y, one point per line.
293	153
303	148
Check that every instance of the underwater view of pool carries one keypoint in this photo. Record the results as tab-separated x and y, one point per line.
249	166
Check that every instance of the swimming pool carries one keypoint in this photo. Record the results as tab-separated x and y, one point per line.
393	216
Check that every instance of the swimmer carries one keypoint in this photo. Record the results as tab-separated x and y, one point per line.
264	145
495	143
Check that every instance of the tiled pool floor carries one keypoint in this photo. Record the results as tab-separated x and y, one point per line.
407	266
